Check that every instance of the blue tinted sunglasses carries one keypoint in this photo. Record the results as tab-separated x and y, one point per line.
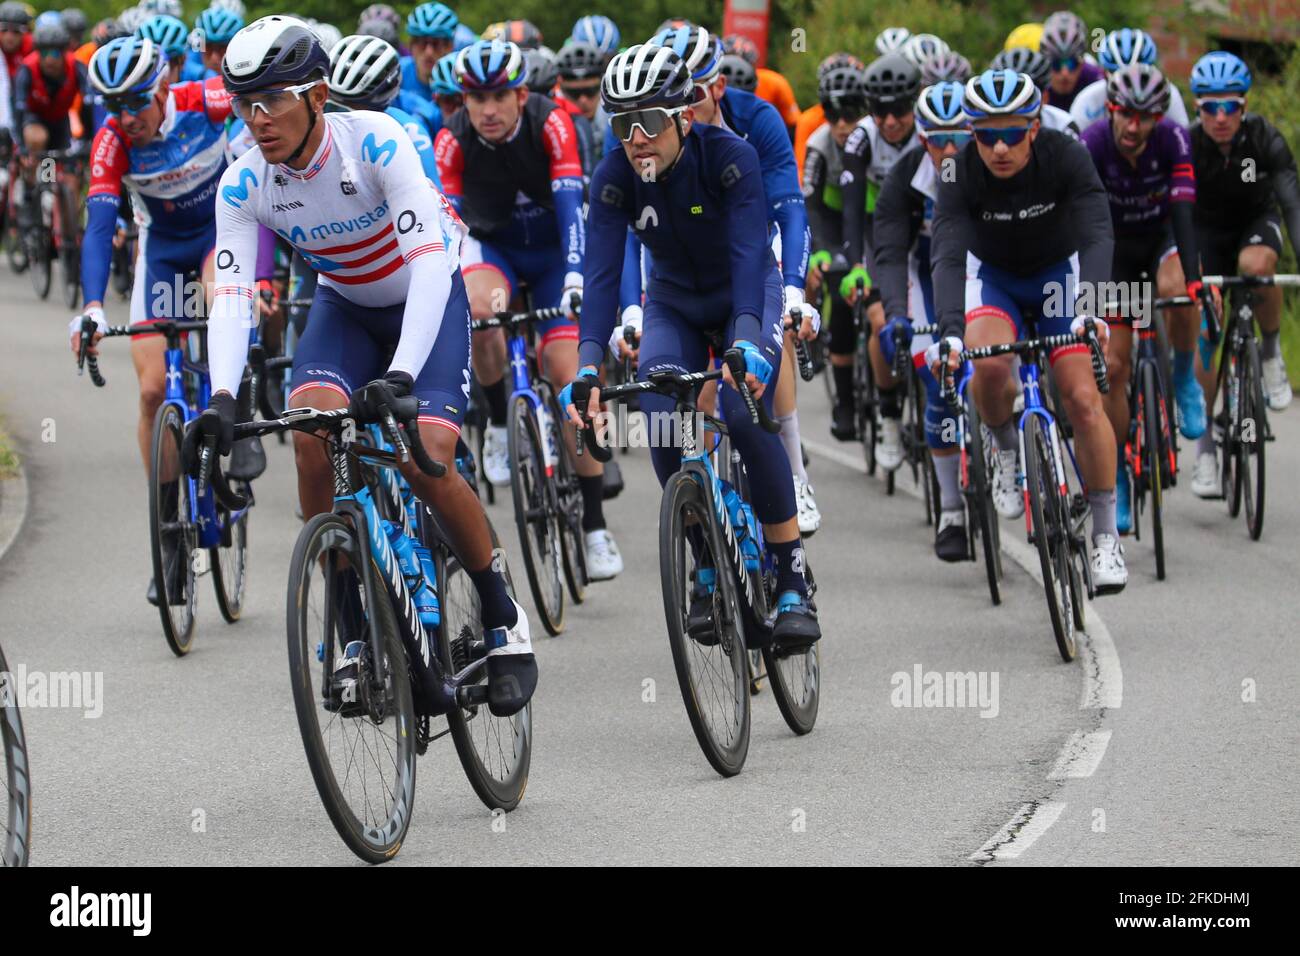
1065	63
1215	107
1011	135
944	140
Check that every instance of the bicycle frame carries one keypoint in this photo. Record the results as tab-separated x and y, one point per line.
1029	380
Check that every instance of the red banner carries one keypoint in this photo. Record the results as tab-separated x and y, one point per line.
748	18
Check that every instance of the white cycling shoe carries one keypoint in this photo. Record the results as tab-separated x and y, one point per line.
1205	477
1109	572
603	560
889	453
496	455
810	518
1277	387
1007	496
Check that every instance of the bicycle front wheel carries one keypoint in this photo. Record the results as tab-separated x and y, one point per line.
38	260
979	494
1051	532
1153	456
360	741
568	495
173	536
712	668
539	528
230	562
16	837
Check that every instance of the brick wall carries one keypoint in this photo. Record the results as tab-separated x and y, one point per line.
1186	29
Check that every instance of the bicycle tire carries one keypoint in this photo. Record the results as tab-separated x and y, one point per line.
535	516
165	456
684	499
568	494
865	403
1230	388
1153	454
980	495
15	850
459	640
1049	533
374	843
38	261
796	678
230	564
1254	412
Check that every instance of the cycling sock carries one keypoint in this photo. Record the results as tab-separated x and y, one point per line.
789	565
1183	365
790	441
948	470
843	375
496	399
593	497
1103	513
1006	436
498	609
1205	444
1270	347
891	402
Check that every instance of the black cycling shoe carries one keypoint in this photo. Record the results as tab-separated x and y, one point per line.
950	541
174	571
247	459
612	481
796	628
699	618
512	678
844	423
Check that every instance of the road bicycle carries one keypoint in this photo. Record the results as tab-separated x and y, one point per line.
916	450
16	836
350	603
55	213
708	531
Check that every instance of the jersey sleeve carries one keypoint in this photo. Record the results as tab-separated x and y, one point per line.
231	317
738	173
216	101
109	162
952	232
853	187
608	218
892	235
561	143
785	205
450	160
1281	167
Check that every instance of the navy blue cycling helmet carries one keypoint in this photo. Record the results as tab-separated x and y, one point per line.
432	20
1220	72
1126	47
1001	93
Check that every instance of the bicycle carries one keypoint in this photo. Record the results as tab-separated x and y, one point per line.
16	837
916	450
1241	423
1057	515
349	599
543	482
698	508
190	533
14	244
866	401
56	230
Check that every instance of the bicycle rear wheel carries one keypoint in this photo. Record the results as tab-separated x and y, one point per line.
568	494
38	259
797	678
1153	455
539	527
1254	420
173	536
16	835
495	752
979	495
712	670
1051	533
230	561
361	746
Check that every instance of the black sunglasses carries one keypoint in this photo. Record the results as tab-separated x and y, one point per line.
894	108
850	109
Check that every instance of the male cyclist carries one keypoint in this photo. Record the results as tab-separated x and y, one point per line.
1021	223
166	145
1239	219
15	36
902	237
215	28
1021	59
1145	164
431	27
811	119
702	216
1121	48
1064	43
348	192
580	66
892	84
509	163
171	36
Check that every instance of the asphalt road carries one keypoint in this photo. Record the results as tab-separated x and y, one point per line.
1172	740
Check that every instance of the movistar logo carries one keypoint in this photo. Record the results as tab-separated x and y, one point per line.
236	196
648	217
371	153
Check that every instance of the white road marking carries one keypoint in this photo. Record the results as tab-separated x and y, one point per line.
1030	822
1080	755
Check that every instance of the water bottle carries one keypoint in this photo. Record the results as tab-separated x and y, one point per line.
749	544
741	517
426	604
425	559
549	452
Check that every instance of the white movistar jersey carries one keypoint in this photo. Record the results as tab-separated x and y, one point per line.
1053	117
1090	106
362	214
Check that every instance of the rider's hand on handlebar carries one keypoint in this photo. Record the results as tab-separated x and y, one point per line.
583	391
96	314
810	320
849	284
572	289
217	419
758	370
1077	327
632	316
954	355
372	399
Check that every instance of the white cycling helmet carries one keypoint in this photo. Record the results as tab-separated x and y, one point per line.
923	46
892	40
364	70
329	35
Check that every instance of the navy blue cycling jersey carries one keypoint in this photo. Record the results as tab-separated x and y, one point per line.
704	222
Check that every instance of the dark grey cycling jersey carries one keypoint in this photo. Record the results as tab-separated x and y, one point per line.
1052	209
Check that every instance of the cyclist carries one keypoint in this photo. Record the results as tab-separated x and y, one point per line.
15	36
166	145
75	22
172	37
46	87
447	95
740	74
509	163
393	283
1121	48
771	85
1021	59
1145	164
892	84
1238	218
1065	43
580	65
713	273
1024	216
901	237
431	27
811	119
215	28
378	13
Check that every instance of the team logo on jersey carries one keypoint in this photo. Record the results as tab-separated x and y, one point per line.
730	176
371	152
648	217
237	195
281	179
611	195
348	188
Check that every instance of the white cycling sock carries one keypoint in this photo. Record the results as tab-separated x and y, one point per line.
790	441
947	469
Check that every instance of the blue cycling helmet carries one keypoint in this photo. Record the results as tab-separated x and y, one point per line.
168	32
432	20
940	106
1220	72
218	26
1001	93
127	65
701	50
1126	47
443	79
597	30
491	65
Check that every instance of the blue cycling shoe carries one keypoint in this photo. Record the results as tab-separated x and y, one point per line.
795	628
1191	407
